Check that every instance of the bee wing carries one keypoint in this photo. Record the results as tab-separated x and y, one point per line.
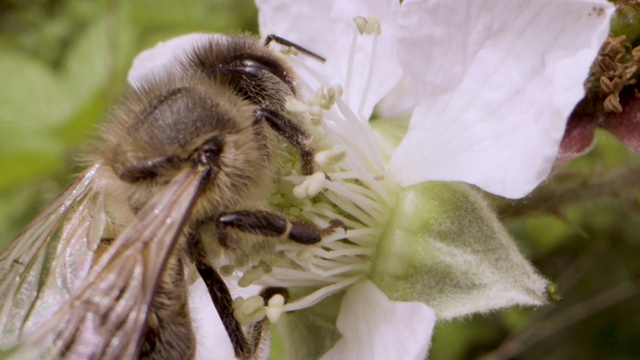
106	315
41	267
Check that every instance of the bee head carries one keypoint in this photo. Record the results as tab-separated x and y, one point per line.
168	126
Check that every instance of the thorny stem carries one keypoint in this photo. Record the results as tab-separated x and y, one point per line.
569	188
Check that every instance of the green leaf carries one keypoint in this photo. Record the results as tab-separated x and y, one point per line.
86	66
30	99
445	247
38	105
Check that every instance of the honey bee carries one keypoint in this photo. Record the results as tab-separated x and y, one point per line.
177	185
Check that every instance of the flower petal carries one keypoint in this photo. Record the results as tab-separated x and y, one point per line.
625	125
212	340
495	84
374	327
327	28
163	57
578	138
211	337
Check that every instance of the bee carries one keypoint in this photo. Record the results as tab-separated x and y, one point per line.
178	185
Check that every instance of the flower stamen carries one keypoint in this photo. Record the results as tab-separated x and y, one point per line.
331	157
369	25
349	186
320	294
248	311
350	60
372	65
274	309
311	186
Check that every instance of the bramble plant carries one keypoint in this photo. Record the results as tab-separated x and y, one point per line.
436	123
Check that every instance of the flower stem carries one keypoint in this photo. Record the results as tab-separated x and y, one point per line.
566	188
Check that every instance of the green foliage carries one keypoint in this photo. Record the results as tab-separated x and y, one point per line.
62	64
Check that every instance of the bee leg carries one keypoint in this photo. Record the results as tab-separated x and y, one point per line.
222	300
269	224
285	42
269	292
292	132
259	331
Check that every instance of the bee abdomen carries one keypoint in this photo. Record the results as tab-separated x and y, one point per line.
169	333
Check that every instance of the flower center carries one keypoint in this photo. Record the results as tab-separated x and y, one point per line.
351	185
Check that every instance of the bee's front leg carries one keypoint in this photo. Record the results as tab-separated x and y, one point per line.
272	225
293	133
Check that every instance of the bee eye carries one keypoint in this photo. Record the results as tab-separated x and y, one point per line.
212	150
209	152
212	146
254	66
142	170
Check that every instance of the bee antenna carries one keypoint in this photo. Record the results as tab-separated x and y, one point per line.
285	42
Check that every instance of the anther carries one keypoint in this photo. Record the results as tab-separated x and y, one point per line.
331	157
248	311
275	307
296	106
367	26
311	186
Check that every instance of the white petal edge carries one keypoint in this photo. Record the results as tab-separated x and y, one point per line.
327	28
163	57
376	328
212	341
496	89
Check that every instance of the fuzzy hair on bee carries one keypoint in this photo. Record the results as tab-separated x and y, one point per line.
176	186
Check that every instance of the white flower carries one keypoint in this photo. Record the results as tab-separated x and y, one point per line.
489	85
494	81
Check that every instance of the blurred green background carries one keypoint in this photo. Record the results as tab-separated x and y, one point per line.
63	62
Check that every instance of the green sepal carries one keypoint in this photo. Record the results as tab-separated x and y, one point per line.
444	246
311	332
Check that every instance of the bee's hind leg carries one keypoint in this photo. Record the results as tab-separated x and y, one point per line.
259	331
